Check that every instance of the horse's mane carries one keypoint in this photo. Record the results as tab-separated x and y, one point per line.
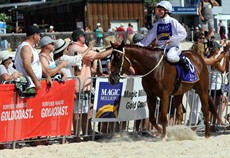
141	47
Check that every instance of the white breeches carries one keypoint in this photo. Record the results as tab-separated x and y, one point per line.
173	54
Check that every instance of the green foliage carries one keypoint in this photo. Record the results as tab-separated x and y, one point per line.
7	19
4	18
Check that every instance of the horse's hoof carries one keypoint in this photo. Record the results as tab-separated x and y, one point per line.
207	135
164	138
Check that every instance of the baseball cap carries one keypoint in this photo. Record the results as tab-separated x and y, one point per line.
30	30
77	33
45	41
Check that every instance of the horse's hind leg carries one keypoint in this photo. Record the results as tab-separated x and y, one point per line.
152	107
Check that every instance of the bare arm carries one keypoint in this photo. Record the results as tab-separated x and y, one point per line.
103	54
27	58
220	67
199	11
214	3
91	44
53	71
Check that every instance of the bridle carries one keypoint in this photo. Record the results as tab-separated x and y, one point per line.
130	63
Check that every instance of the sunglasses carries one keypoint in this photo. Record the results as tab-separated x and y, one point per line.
51	43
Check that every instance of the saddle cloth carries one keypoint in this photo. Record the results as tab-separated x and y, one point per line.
187	76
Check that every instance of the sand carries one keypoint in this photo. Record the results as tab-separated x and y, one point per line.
182	142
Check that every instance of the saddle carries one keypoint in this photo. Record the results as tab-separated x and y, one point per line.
185	75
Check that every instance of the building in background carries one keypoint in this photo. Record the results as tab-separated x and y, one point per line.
186	11
67	15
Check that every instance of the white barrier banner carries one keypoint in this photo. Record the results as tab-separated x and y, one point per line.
123	102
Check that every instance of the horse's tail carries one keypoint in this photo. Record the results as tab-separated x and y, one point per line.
213	109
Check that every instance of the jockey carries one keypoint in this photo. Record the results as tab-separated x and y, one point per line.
167	30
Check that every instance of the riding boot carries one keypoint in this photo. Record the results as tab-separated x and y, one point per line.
184	62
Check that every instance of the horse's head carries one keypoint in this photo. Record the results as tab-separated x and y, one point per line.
117	60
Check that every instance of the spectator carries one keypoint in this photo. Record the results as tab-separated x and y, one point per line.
51	30
121	31
110	28
216	79
47	47
199	48
206	15
99	35
60	55
7	72
27	59
130	29
78	46
144	31
222	30
88	35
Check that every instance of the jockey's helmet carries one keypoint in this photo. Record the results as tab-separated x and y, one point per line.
165	4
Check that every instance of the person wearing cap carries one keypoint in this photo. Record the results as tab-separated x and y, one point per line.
51	30
78	46
7	72
99	35
47	47
121	31
27	59
167	32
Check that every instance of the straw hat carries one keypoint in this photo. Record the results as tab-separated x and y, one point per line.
130	38
60	45
109	39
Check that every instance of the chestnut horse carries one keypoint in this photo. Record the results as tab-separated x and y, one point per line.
159	78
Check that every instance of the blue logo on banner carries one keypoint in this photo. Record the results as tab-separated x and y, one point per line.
108	100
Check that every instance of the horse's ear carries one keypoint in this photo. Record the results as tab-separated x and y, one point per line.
112	44
122	43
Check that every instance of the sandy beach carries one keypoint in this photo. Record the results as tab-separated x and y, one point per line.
182	142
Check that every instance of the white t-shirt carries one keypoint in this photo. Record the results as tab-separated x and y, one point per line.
8	71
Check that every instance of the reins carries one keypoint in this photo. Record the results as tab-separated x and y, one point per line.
124	57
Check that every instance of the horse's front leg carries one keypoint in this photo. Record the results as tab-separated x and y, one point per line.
152	108
205	110
164	111
179	108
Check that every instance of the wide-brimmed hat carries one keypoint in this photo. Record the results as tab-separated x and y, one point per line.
130	38
60	45
30	30
107	41
77	33
4	55
45	41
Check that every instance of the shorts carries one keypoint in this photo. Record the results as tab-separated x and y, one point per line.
207	24
218	92
82	104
